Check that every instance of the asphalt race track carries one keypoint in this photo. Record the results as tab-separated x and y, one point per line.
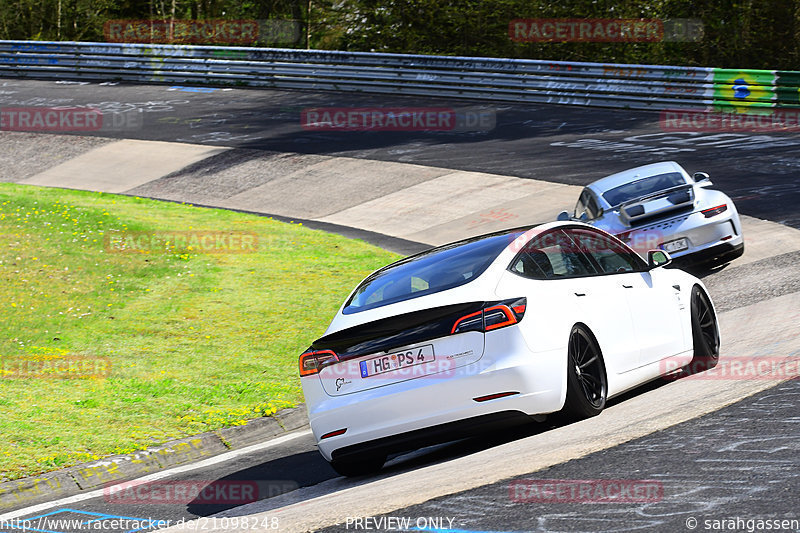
734	463
555	143
716	448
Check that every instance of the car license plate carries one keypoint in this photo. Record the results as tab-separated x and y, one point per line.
396	360
677	245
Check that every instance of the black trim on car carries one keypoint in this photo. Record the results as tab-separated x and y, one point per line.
388	333
720	253
420	438
662	216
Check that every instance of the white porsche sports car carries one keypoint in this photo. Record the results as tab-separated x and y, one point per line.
661	206
492	330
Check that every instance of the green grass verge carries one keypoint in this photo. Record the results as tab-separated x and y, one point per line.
194	341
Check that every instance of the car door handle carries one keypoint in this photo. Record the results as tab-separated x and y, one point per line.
676	287
580	294
627	286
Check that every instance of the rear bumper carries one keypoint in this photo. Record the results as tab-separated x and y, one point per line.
429	409
719	253
707	239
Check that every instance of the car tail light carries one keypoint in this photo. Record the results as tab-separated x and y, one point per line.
714	211
498	316
471	322
493	316
312	362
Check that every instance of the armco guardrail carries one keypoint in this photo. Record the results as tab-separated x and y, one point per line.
515	80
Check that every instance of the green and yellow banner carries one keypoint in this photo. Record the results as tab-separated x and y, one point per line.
743	90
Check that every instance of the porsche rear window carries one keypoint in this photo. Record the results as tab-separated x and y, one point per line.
430	272
643	187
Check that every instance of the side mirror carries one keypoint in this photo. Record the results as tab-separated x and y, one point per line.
563	216
701	176
658	258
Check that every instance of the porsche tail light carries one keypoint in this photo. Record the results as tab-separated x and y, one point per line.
312	362
493	316
714	211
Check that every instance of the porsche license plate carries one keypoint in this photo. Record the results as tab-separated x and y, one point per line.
396	360
677	245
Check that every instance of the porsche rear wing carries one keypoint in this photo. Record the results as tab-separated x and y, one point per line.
653	205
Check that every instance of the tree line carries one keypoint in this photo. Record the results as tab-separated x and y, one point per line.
727	33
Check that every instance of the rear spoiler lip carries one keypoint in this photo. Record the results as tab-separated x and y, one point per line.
385	334
629	220
657	218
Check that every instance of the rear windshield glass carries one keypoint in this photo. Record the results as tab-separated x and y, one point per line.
429	272
643	187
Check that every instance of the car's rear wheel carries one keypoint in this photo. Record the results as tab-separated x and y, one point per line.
705	333
587	385
358	466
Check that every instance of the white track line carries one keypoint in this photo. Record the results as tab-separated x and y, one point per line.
227	456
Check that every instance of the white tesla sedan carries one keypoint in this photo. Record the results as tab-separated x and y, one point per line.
661	206
492	330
